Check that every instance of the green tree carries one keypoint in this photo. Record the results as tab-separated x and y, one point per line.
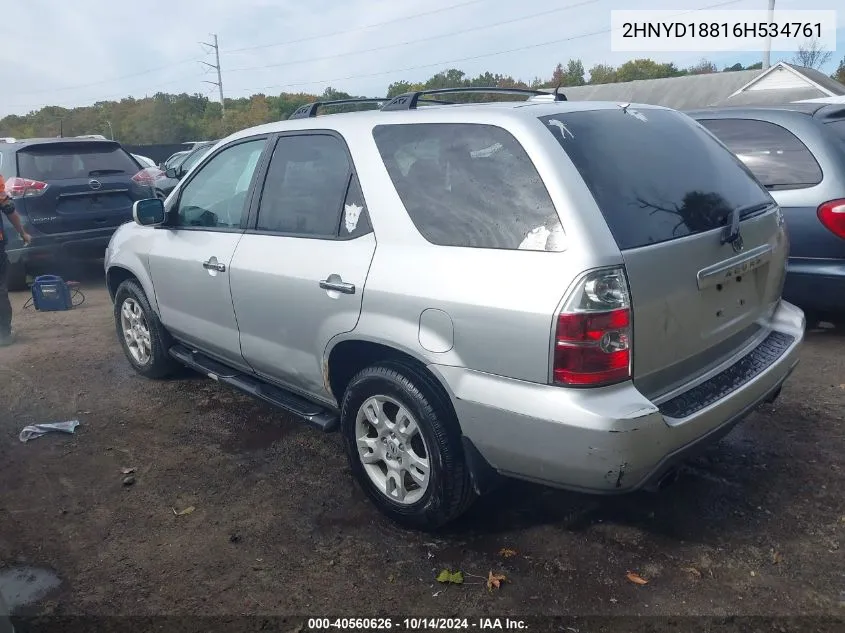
570	75
703	67
646	69
602	74
839	73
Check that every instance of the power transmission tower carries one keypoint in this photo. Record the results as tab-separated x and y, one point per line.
219	82
767	52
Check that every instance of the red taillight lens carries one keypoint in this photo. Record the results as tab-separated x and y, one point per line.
832	215
592	344
147	176
25	187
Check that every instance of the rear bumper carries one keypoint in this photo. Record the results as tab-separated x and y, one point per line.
816	285
608	440
46	245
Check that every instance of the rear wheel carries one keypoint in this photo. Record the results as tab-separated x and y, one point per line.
17	276
404	446
145	341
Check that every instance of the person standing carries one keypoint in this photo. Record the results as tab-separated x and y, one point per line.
7	206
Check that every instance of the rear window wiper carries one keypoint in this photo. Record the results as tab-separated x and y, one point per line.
731	232
103	172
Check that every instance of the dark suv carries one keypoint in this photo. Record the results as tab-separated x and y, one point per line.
797	151
72	194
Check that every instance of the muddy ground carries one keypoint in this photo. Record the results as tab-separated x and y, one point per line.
755	527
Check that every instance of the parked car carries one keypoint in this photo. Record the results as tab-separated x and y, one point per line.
174	159
71	193
797	152
144	161
578	294
168	179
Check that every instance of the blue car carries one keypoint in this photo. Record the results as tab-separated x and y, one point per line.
797	151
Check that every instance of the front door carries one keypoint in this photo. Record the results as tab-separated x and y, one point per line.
298	276
190	258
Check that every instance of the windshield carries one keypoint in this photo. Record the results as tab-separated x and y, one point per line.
655	174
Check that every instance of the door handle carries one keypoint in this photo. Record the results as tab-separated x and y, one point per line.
210	265
339	286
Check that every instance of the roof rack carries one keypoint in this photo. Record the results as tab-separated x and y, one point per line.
409	100
310	109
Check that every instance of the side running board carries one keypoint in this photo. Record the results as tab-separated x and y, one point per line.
314	414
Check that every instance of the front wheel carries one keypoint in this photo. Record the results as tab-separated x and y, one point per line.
404	446
145	341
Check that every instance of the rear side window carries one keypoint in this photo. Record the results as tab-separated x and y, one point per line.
469	185
69	161
655	174
774	155
306	187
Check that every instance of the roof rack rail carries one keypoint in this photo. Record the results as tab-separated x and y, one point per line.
310	109
409	100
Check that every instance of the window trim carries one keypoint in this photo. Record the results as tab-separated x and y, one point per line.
172	210
493	125
773	187
252	227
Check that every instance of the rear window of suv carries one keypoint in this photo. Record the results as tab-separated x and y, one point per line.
774	155
469	185
64	161
655	174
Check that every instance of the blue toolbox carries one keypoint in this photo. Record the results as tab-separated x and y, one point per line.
51	293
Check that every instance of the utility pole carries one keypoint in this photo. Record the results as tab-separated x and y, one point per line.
767	54
219	82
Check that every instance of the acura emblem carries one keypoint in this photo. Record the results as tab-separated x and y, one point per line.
95	184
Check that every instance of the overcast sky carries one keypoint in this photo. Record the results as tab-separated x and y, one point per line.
77	53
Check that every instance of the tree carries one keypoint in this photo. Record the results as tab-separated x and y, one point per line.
570	75
811	55
839	73
646	69
703	67
602	74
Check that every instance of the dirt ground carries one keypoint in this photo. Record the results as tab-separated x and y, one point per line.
755	527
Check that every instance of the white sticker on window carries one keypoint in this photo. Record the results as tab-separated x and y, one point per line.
536	239
563	129
352	212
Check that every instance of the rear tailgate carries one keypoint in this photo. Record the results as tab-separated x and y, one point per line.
667	190
90	185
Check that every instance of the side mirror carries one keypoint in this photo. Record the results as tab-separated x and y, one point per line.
171	172
149	212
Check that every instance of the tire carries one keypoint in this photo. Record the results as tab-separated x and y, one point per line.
157	363
17	277
447	491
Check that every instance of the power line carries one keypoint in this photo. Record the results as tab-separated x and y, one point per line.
219	82
420	40
353	30
476	57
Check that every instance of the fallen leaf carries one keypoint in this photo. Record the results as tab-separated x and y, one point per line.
494	581
635	578
182	513
127	471
453	577
777	558
753	573
507	552
129	480
692	570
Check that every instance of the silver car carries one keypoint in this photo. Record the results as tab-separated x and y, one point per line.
573	293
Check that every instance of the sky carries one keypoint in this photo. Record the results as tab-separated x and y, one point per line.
75	54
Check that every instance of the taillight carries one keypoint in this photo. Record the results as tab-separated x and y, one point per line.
593	333
147	176
18	187
832	215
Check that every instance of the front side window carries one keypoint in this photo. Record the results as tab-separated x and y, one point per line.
776	157
469	185
306	187
216	196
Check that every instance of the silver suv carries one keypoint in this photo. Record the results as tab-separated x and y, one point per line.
577	294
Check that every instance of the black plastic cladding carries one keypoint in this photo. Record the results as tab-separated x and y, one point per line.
720	385
409	100
310	109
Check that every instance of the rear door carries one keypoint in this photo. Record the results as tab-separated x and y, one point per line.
89	185
298	276
667	191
